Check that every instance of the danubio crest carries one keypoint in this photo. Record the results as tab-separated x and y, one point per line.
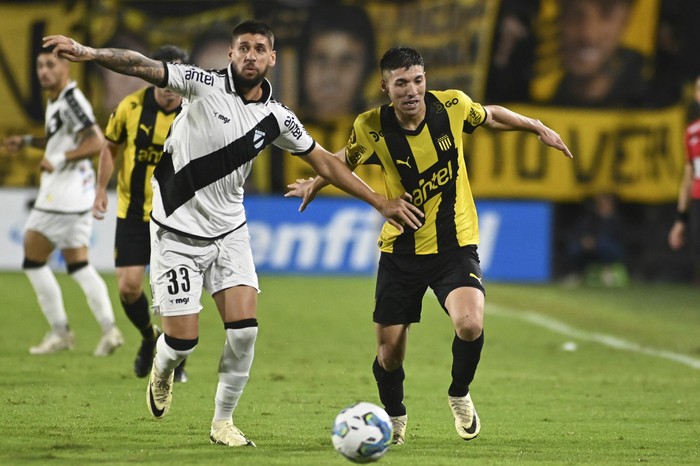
258	138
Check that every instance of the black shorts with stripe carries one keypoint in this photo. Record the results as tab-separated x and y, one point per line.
132	243
403	279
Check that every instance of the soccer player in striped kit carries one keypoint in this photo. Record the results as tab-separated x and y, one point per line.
417	141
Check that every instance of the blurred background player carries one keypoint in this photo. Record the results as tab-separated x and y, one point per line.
689	194
60	217
140	124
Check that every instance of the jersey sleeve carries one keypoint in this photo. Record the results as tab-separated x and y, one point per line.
474	113
189	81
116	126
359	149
293	136
78	111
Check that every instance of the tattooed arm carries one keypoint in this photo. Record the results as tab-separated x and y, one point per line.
120	61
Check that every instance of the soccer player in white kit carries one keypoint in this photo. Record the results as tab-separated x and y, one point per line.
60	217
199	235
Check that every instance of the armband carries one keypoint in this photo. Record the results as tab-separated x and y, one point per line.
27	139
682	216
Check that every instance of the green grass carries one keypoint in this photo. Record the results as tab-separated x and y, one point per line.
538	403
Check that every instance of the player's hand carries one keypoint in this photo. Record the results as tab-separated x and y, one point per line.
13	144
401	211
68	48
52	162
99	207
551	138
676	237
303	189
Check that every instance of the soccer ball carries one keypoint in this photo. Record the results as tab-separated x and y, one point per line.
362	432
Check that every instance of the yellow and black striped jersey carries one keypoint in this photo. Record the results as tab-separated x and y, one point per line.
428	163
142	125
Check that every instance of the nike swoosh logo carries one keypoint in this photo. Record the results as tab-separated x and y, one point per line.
472	429
158	413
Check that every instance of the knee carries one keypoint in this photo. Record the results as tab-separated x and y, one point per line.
469	330
389	358
129	290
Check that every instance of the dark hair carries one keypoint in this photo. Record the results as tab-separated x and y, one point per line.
400	57
253	26
170	53
44	50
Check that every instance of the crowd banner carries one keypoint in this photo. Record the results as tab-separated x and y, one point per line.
635	154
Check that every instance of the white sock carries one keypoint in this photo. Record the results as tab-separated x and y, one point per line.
97	295
49	296
168	358
234	370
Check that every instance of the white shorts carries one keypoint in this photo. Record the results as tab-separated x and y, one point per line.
65	231
182	266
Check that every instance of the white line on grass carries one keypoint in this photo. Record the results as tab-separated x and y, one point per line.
607	340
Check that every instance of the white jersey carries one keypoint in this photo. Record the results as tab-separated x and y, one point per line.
71	189
198	190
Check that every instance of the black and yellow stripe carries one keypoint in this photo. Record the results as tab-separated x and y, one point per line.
428	163
142	125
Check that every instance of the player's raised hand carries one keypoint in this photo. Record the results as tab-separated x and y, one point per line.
401	211
68	48
303	189
551	138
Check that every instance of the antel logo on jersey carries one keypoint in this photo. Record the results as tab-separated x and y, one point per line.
294	126
200	76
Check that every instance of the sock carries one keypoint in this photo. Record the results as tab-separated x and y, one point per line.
170	352
96	293
49	296
234	366
139	315
465	358
390	385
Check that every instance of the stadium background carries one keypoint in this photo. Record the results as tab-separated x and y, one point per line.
636	153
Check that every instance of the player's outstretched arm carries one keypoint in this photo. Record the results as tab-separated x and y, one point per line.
398	212
503	119
121	61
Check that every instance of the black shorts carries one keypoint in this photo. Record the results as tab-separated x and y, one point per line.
132	243
403	279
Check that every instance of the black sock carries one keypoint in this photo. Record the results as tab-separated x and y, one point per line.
390	385
465	358
140	316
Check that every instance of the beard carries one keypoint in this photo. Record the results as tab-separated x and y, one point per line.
242	82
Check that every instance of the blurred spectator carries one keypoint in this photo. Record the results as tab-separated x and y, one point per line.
209	50
598	70
336	57
595	248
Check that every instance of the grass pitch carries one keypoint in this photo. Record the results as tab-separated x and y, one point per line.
627	394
